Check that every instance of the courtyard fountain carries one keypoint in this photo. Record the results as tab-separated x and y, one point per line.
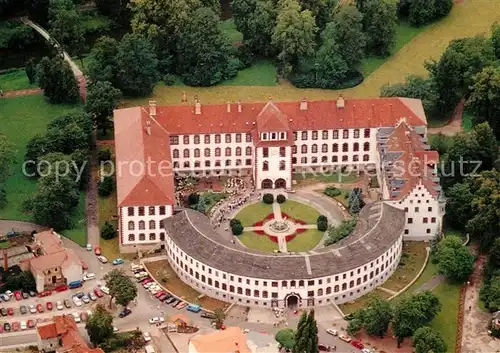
279	225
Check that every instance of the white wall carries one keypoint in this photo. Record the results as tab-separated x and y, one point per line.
157	231
273	173
73	273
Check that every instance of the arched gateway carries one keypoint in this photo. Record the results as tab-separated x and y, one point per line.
267	184
292	300
280	184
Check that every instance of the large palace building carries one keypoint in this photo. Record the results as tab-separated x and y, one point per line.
269	142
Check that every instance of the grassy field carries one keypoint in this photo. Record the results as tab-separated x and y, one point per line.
229	29
162	270
447	320
467	120
326	177
253	213
300	211
15	80
467	18
32	113
351	307
258	242
412	261
305	241
261	73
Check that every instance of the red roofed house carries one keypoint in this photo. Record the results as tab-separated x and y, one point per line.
268	141
61	335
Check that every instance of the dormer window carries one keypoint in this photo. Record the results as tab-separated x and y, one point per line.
273	136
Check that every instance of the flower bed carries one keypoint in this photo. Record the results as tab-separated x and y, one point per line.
288	238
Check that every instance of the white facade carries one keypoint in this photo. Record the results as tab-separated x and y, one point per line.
142	224
274	167
338	288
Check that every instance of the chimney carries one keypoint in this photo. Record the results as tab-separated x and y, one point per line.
239	106
228	107
303	104
148	127
340	102
152	109
197	106
184	98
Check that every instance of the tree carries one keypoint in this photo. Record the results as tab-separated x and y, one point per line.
459	205
218	318
137	63
108	231
415	87
121	287
99	325
484	99
6	158
413	312
377	317
57	81
495	39
106	186
306	337
440	143
421	12
355	201
102	99
102	64
454	259
356	324
118	10
65	25
30	71
268	198
294	35
490	293
203	50
286	338
426	340
379	24
453	73
237	229
442	8
347	32
38	10
54	201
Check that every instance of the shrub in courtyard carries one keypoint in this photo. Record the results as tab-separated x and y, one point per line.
234	222
193	198
280	198
322	223
236	226
107	231
335	234
268	198
106	186
332	191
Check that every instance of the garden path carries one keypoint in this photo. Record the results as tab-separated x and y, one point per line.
21	92
454	125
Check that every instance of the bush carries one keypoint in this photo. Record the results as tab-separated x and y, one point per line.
322	223
104	155
234	222
106	186
308	80
332	191
237	229
342	231
169	79
108	231
268	198
280	198
193	198
322	218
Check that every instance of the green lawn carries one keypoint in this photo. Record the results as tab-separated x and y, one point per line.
326	177
404	34
300	211
361	302
305	241
229	29
447	320
261	73
20	119
15	80
253	213
258	242
467	117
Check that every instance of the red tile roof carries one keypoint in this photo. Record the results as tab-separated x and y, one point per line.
63	259
356	113
145	174
271	118
46	330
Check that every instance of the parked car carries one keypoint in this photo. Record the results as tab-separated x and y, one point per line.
89	247
159	294
32	309
125	312
32	293
75	284
366	350
103	259
23	325
39	308
164	297
4	297
146	280
193	308
175	302
23	310
3	311
324	348
86	299
77	301
1	328
15	326
181	305
18	296
62	288
92	296
98	292
88	276
76	316
105	290
79	295
118	261
146	336
31	323
97	250
59	305
332	332
6	327
345	338
84	316
170	300
25	295
67	303
9	293
10	311
45	293
358	344
156	320
49	306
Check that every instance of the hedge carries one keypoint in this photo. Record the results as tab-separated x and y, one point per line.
268	198
280	198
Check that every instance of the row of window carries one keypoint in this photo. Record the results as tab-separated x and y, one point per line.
424	220
217	163
273	136
151	211
186	139
334	159
142	237
265	152
207	152
335	148
265	166
417	209
325	134
142	225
